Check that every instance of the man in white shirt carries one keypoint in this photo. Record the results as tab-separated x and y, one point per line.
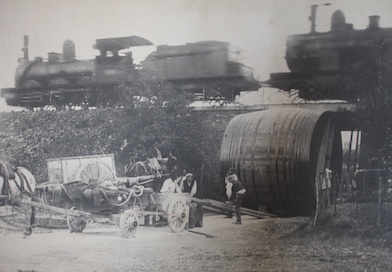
170	185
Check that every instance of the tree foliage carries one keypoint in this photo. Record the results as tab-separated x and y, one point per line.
147	111
374	116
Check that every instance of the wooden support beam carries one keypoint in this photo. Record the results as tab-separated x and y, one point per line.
224	207
214	210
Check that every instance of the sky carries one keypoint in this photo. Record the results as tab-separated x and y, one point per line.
259	27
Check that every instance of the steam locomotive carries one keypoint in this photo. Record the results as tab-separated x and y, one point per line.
330	65
208	67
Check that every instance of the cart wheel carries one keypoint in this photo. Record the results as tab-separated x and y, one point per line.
178	215
97	170
75	224
129	223
136	170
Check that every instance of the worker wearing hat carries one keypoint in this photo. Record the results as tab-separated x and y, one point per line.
189	185
235	192
228	187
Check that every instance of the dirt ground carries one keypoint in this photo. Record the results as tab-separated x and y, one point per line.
342	242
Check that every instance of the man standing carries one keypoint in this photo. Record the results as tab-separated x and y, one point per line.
236	193
189	185
228	187
170	185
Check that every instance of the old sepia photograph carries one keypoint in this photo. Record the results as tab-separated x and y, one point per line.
195	135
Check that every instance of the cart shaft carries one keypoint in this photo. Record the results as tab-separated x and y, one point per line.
51	208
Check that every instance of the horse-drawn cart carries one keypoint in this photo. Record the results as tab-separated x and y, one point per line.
85	188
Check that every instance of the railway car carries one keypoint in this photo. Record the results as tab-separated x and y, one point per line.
63	79
330	65
212	68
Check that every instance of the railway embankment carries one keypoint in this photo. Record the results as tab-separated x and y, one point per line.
29	138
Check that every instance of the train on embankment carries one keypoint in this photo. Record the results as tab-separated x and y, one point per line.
210	68
283	155
329	65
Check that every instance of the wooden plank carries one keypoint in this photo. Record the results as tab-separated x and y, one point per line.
233	210
214	210
224	207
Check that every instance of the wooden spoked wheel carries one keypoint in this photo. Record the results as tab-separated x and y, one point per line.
138	169
129	223
75	224
178	214
97	170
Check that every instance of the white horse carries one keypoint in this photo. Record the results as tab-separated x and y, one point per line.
17	181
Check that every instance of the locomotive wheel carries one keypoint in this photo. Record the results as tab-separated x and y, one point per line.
178	214
96	170
129	223
75	224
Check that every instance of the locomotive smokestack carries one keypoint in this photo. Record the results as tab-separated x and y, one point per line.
374	22
312	18
25	48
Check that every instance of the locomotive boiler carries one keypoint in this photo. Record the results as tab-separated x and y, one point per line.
337	64
63	79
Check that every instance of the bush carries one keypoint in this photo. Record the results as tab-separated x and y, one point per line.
161	115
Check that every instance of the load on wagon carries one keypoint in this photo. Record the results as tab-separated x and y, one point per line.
88	185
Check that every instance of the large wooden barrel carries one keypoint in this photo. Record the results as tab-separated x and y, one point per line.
279	154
